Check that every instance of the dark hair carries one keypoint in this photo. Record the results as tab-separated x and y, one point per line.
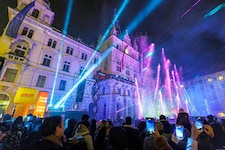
161	117
204	142
128	120
118	137
85	117
49	125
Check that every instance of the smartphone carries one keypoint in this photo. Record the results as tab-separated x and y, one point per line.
179	132
199	123
150	125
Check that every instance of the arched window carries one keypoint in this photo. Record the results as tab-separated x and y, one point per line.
66	66
47	60
20	50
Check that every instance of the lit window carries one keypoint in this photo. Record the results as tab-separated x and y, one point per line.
210	80
221	77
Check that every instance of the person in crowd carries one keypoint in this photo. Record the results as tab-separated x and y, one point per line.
102	134
132	132
14	137
84	137
200	139
70	128
85	120
168	129
93	128
219	135
149	140
52	131
160	141
183	119
118	139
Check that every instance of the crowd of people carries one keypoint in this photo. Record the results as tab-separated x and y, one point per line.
54	133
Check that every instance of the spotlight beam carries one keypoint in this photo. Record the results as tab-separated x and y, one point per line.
142	15
65	28
105	54
123	6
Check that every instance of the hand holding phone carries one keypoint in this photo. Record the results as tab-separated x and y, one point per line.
150	125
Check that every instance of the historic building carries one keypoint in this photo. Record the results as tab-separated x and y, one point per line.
207	94
39	67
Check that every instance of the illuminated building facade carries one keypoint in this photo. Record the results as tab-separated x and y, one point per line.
207	94
31	61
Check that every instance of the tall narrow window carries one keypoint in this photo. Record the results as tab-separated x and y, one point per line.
24	32
54	44
118	66
71	51
84	56
47	60
10	75
49	42
127	70
68	50
62	85
30	34
41	81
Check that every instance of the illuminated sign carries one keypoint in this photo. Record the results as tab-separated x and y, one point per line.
41	103
25	95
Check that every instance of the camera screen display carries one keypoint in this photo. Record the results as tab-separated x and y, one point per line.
179	132
150	125
198	123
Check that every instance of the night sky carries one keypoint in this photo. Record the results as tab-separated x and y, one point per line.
191	41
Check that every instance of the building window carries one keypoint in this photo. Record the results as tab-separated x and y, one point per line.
35	13
69	50
95	60
41	81
49	42
127	70
30	34
10	75
25	30
84	56
54	44
62	85
20	51
128	92
119	91
47	60
66	66
118	66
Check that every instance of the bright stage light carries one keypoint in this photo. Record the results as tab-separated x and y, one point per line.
215	10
